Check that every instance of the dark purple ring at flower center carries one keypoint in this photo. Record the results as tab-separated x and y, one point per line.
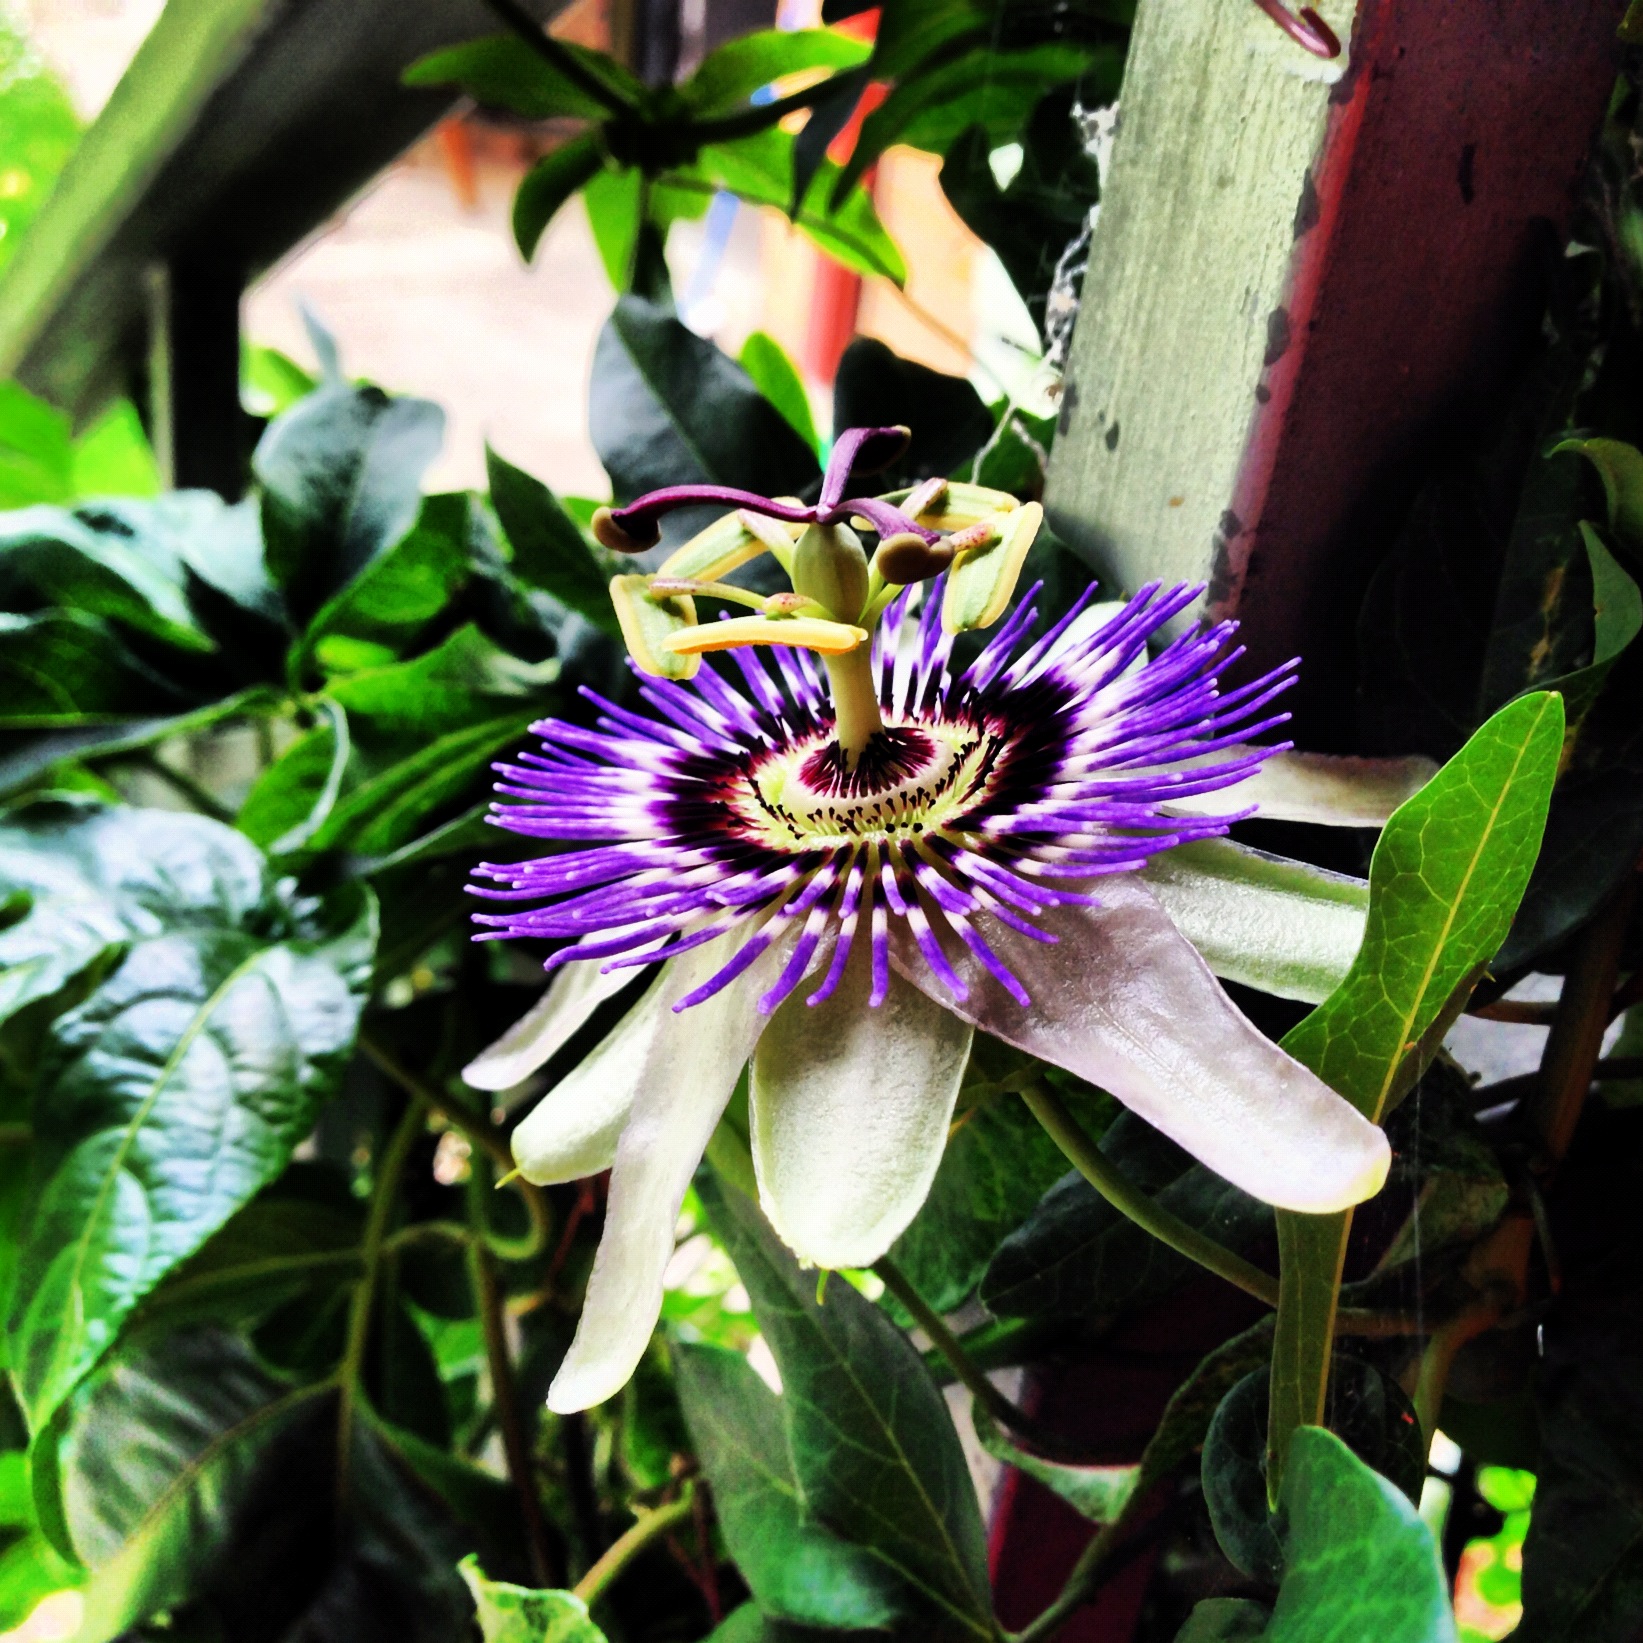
895	754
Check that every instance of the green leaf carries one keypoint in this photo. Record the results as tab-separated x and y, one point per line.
501	71
796	1569
668	408
97	877
271	382
1225	1620
1444	883
402	591
517	1614
548	184
1620	467
1096	1492
293	798
341	476
1075	1257
996	90
876	387
113	456
731	73
165	1102
1358	1560
997	1165
844	223
615	201
36	450
181	1469
61	668
549	551
100	560
874	1451
776	377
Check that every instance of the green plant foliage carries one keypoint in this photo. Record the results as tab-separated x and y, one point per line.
38	133
899	1488
796	1569
516	1614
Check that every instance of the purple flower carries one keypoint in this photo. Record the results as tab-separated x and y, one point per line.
846	867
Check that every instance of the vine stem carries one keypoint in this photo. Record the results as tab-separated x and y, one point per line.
1128	1199
391	1167
483	1134
591	1587
516	1449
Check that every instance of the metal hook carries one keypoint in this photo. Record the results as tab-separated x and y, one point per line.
1307	30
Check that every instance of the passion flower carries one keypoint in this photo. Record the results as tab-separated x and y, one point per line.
844	868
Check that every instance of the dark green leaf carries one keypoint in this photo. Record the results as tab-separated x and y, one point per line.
1076	1257
1099	1493
549	551
404	589
501	71
1225	1620
669	408
341	476
1369	1412
548	184
164	1103
294	796
517	1614
797	1570
62	667
873	1448
876	388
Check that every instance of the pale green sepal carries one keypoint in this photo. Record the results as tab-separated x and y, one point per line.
1281	926
849	1112
684	1084
960	506
647	623
713	553
574	1129
520	1614
981	583
546	1027
1322	788
1097	1492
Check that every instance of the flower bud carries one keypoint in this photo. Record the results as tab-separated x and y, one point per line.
830	567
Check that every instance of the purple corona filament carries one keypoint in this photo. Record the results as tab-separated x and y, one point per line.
990	796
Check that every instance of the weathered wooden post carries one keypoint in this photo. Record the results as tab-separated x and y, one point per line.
1304	270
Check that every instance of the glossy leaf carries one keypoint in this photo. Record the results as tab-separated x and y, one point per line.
1444	884
899	1486
1099	1493
292	798
798	1570
549	551
62	668
341	476
164	1102
669	408
878	388
97	877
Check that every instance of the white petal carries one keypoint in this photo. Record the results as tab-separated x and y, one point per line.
573	1130
1317	787
572	996
1124	1000
850	1111
689	1072
1282	926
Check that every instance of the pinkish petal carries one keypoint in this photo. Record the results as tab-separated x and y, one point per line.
1124	1000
